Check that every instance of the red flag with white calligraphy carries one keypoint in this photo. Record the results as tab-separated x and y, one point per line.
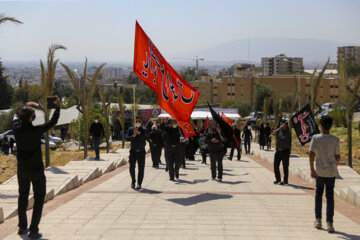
176	96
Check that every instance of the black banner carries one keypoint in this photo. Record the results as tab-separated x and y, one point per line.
304	124
225	128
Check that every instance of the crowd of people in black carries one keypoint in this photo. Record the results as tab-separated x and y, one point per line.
167	135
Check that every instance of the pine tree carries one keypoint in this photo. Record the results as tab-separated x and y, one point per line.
6	90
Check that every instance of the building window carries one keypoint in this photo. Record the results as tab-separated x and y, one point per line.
233	94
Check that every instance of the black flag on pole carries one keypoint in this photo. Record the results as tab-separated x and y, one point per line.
304	124
225	128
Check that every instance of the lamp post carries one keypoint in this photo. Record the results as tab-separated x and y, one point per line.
299	86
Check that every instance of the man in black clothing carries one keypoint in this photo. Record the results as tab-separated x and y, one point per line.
172	140
235	143
214	140
156	145
96	132
30	168
283	146
137	136
268	136
247	136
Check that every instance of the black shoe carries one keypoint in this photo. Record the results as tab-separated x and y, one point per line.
132	185
220	179
166	169
213	178
276	182
177	175
230	158
282	183
35	235
138	187
23	231
172	179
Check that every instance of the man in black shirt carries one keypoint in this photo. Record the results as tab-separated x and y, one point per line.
283	146
235	143
96	132
215	140
247	136
156	145
172	140
137	136
30	168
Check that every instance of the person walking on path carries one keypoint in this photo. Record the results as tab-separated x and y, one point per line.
262	137
326	148
247	136
283	146
234	143
214	140
137	137
268	136
30	167
96	132
156	145
172	140
203	147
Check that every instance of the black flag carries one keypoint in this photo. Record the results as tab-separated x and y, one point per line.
225	127
304	124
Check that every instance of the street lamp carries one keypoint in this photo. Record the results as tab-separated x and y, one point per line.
299	86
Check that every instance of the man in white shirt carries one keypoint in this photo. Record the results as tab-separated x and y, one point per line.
326	148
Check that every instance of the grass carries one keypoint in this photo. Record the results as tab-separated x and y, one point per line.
59	157
340	132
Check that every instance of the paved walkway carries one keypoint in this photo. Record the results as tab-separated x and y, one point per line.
246	205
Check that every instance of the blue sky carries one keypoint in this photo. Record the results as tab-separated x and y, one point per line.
104	30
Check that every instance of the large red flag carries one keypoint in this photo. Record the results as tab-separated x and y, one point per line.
176	96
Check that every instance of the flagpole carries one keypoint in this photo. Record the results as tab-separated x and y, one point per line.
134	104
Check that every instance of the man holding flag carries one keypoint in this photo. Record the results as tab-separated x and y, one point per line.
236	144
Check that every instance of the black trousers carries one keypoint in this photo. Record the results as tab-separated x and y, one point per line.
173	158
38	181
203	154
138	157
233	147
329	184
155	154
182	153
216	162
247	144
283	156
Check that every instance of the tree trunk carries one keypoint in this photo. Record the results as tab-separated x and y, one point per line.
349	145
123	135
85	136
107	136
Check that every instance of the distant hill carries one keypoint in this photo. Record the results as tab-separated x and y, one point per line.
313	51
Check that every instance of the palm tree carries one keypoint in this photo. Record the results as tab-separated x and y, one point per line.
4	18
106	113
315	84
47	86
85	95
119	93
349	94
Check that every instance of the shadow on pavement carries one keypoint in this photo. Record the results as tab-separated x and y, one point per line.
230	174
149	191
56	170
228	170
189	168
300	187
204	197
233	183
346	236
25	237
193	182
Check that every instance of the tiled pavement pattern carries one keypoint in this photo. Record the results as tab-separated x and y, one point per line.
246	205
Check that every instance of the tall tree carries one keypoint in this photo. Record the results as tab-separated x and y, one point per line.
105	111
315	82
6	90
349	94
47	86
121	103
85	93
262	91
